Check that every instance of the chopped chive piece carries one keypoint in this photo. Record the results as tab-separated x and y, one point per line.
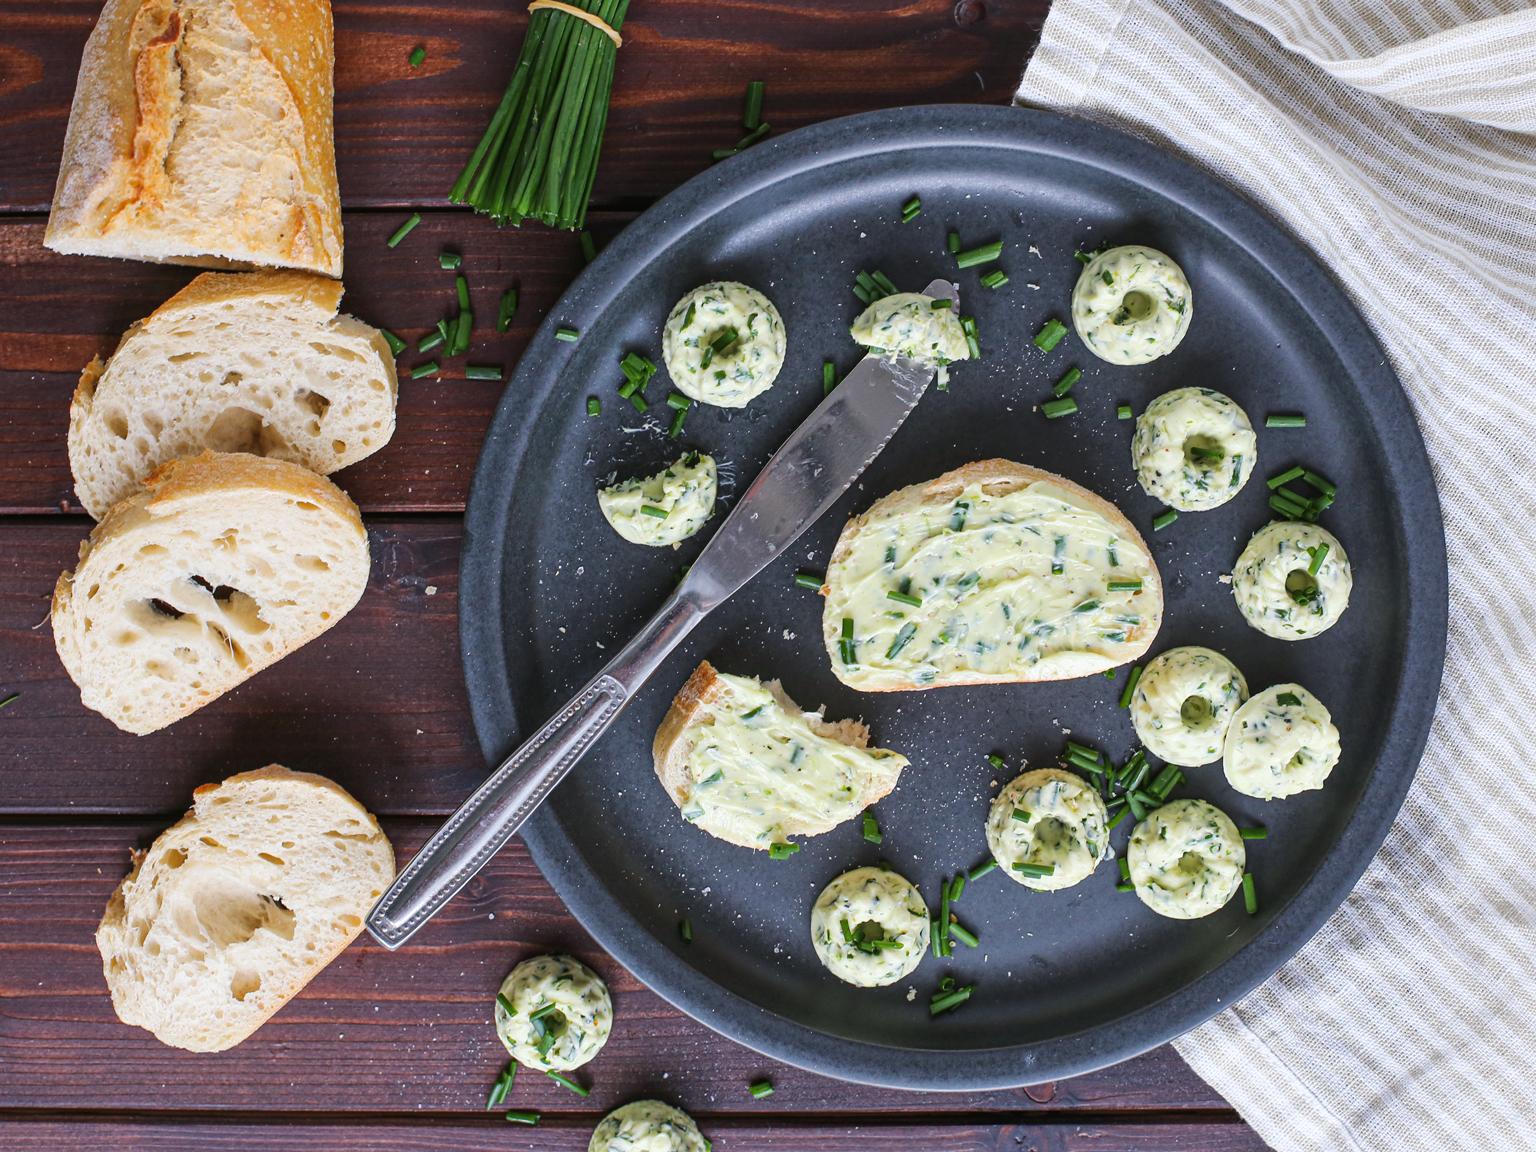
685	931
1124	586
1286	477
996	761
1250	897
396	345
1285	422
594	406
1257	832
1057	408
569	335
449	260
430	341
564	1082
994	279
1124	412
505	312
1125	886
968	326
883	282
523	1117
828	377
1064	385
678	401
428	369
1321	483
652	510
954	242
957	887
463	287
1288	698
910	209
639	401
461	336
782	851
588	251
1135	806
933	939
1125	868
847	627
872	831
963	934
1286	506
810	579
493	372
501	998
903	638
753	115
502	1085
981	870
405	229
944	945
545	1010
983	255
1035	870
1319	554
903	598
760	1089
418	54
1121	815
1021	815
1163	783
1049	336
1081	256
950	1000
1163	519
1130	686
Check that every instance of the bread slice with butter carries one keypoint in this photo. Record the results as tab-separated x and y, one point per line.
253	362
202	133
745	763
234	909
222	566
993	573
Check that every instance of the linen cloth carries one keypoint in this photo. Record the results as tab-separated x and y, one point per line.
1395	137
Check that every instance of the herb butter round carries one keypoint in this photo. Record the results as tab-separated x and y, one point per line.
563	1013
662	509
1186	859
1293	580
1048	818
1194	449
1280	743
723	344
647	1126
869	927
1131	305
910	324
1183	704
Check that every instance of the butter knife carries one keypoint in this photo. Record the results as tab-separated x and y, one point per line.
804	478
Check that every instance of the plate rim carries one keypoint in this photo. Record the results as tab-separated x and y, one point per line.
1409	477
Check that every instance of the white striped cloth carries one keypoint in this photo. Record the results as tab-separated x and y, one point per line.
1394	137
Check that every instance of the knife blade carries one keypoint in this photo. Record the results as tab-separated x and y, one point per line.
805	477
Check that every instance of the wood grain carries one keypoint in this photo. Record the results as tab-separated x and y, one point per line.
62	310
563	1133
402	134
410	1031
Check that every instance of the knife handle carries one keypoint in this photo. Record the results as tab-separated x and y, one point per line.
490	817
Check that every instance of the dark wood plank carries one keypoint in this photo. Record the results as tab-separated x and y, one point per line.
402	134
62	310
378	701
569	1134
410	1031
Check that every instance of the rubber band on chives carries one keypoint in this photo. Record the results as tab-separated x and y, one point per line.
580	14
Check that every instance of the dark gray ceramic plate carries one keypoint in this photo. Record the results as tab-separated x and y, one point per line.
1068	981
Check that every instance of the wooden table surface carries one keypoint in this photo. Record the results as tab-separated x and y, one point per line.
397	1051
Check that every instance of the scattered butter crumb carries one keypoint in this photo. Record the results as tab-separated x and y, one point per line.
1036	287
601	645
1033	251
431	589
911	995
1225	577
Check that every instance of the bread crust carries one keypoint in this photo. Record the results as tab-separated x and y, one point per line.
671	748
199	819
113	190
999	477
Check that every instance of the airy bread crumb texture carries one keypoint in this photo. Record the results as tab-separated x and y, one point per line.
236	907
254	362
223	565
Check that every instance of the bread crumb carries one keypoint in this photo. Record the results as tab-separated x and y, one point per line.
1036	287
911	995
431	589
1033	251
1225	577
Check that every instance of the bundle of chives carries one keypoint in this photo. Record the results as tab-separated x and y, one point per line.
539	155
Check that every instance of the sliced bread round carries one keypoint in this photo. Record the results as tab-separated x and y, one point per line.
994	478
236	907
223	565
253	362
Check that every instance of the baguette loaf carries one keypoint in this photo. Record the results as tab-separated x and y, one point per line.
764	793
253	362
201	133
993	573
236	907
222	566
